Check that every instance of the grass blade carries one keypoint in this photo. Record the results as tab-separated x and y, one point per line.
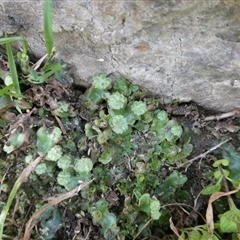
7	90
10	39
47	24
13	70
14	39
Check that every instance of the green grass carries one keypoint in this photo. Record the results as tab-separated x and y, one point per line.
47	70
47	22
13	70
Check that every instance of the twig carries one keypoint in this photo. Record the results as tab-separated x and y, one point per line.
39	62
143	228
60	124
186	205
88	233
222	116
203	155
31	222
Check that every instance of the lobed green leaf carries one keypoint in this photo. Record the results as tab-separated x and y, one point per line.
117	101
101	82
119	124
83	165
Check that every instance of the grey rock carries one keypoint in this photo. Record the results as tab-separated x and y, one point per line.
185	50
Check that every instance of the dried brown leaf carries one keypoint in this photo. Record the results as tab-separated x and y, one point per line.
8	116
209	212
174	229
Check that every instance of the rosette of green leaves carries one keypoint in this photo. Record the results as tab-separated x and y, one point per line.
165	128
159	121
147	117
67	177
101	81
170	185
138	108
107	154
92	97
169	151
64	110
41	168
104	136
173	131
183	152
137	92
97	92
50	221
121	85
100	126
65	161
126	113
101	216
151	206
47	138
64	178
54	153
89	131
16	140
83	165
141	126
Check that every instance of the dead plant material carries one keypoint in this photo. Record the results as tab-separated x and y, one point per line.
174	229
21	123
26	172
142	228
36	65
209	212
228	126
60	124
49	94
218	117
3	64
8	116
183	110
54	201
57	88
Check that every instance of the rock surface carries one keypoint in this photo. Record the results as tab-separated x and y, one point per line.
185	50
